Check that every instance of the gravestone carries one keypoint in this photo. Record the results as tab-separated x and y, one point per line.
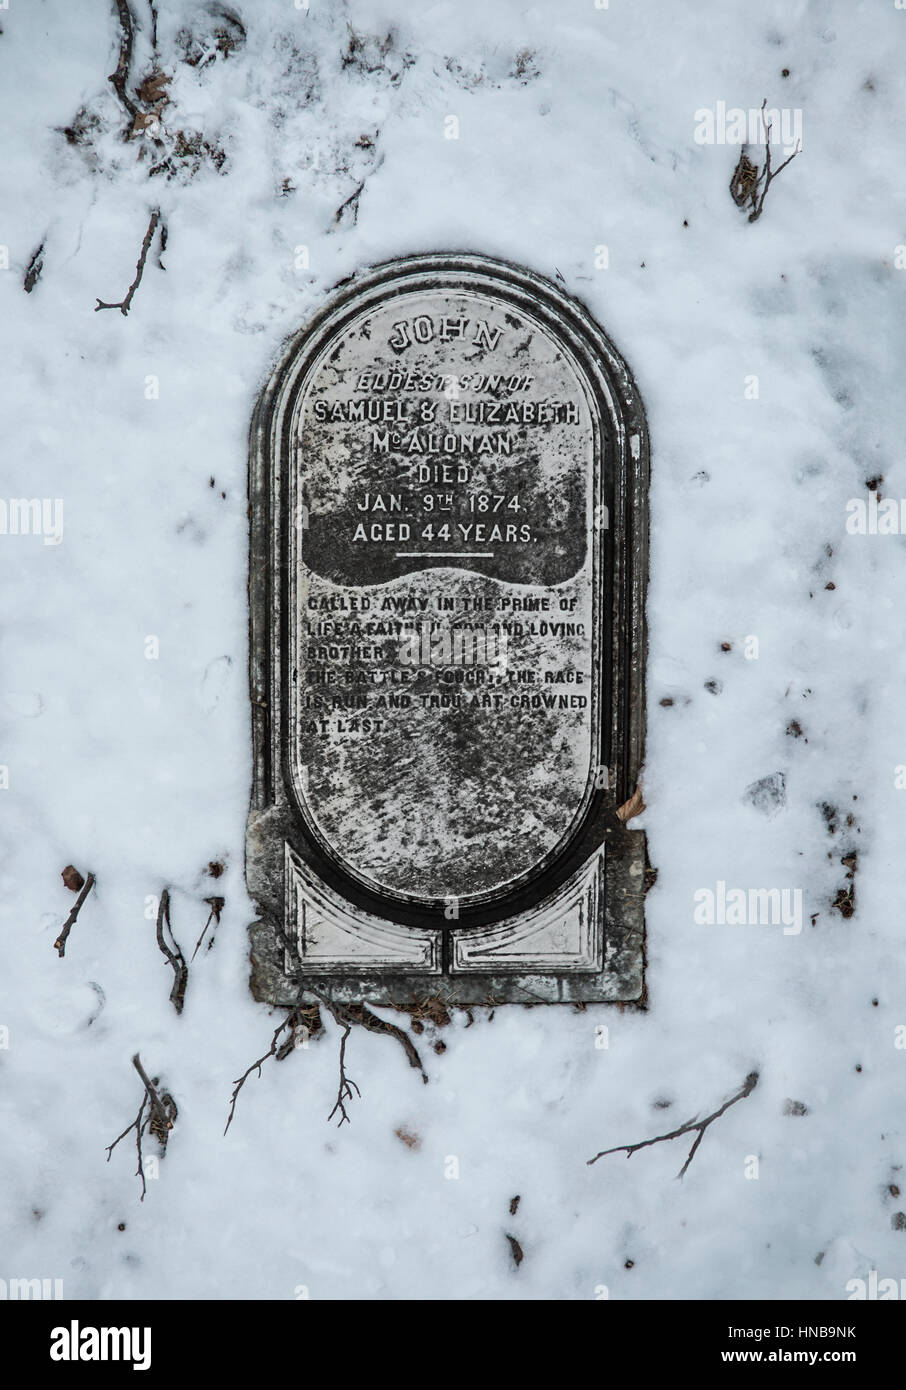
448	504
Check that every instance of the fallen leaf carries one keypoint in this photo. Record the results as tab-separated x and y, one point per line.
72	879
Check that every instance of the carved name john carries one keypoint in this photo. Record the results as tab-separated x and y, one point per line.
448	493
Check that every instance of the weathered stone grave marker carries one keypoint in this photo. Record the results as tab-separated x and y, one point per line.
448	500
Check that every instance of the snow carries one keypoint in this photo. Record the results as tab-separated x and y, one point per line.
139	770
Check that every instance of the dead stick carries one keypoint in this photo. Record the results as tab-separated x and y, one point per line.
360	1014
214	914
769	174
351	202
152	1093
271	1051
175	957
347	1086
696	1127
124	62
125	304
33	272
60	943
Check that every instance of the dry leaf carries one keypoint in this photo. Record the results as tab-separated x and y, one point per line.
411	1140
633	807
72	879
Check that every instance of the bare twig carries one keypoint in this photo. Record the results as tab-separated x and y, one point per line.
60	943
697	1127
156	1102
348	1015
346	1086
762	182
139	1125
125	303
308	1017
301	1017
124	62
256	1066
33	273
352	203
157	1112
175	956
216	906
360	1014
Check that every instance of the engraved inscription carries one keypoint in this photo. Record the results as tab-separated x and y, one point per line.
444	575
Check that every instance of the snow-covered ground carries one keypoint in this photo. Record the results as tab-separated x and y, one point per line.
576	131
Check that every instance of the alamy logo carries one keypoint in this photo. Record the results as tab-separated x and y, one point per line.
874	1289
75	1343
32	516
741	907
18	1290
876	516
734	126
458	646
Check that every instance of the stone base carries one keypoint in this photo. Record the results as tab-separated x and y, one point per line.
584	944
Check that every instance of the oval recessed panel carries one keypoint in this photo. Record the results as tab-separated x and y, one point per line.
447	592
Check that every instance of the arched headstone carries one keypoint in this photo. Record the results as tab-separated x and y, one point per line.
448	503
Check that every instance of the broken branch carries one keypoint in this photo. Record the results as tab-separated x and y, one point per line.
346	1086
308	1018
33	272
352	203
60	943
156	1102
362	1015
175	956
216	906
294	1020
762	184
157	1111
120	77
697	1127
125	303
139	1125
